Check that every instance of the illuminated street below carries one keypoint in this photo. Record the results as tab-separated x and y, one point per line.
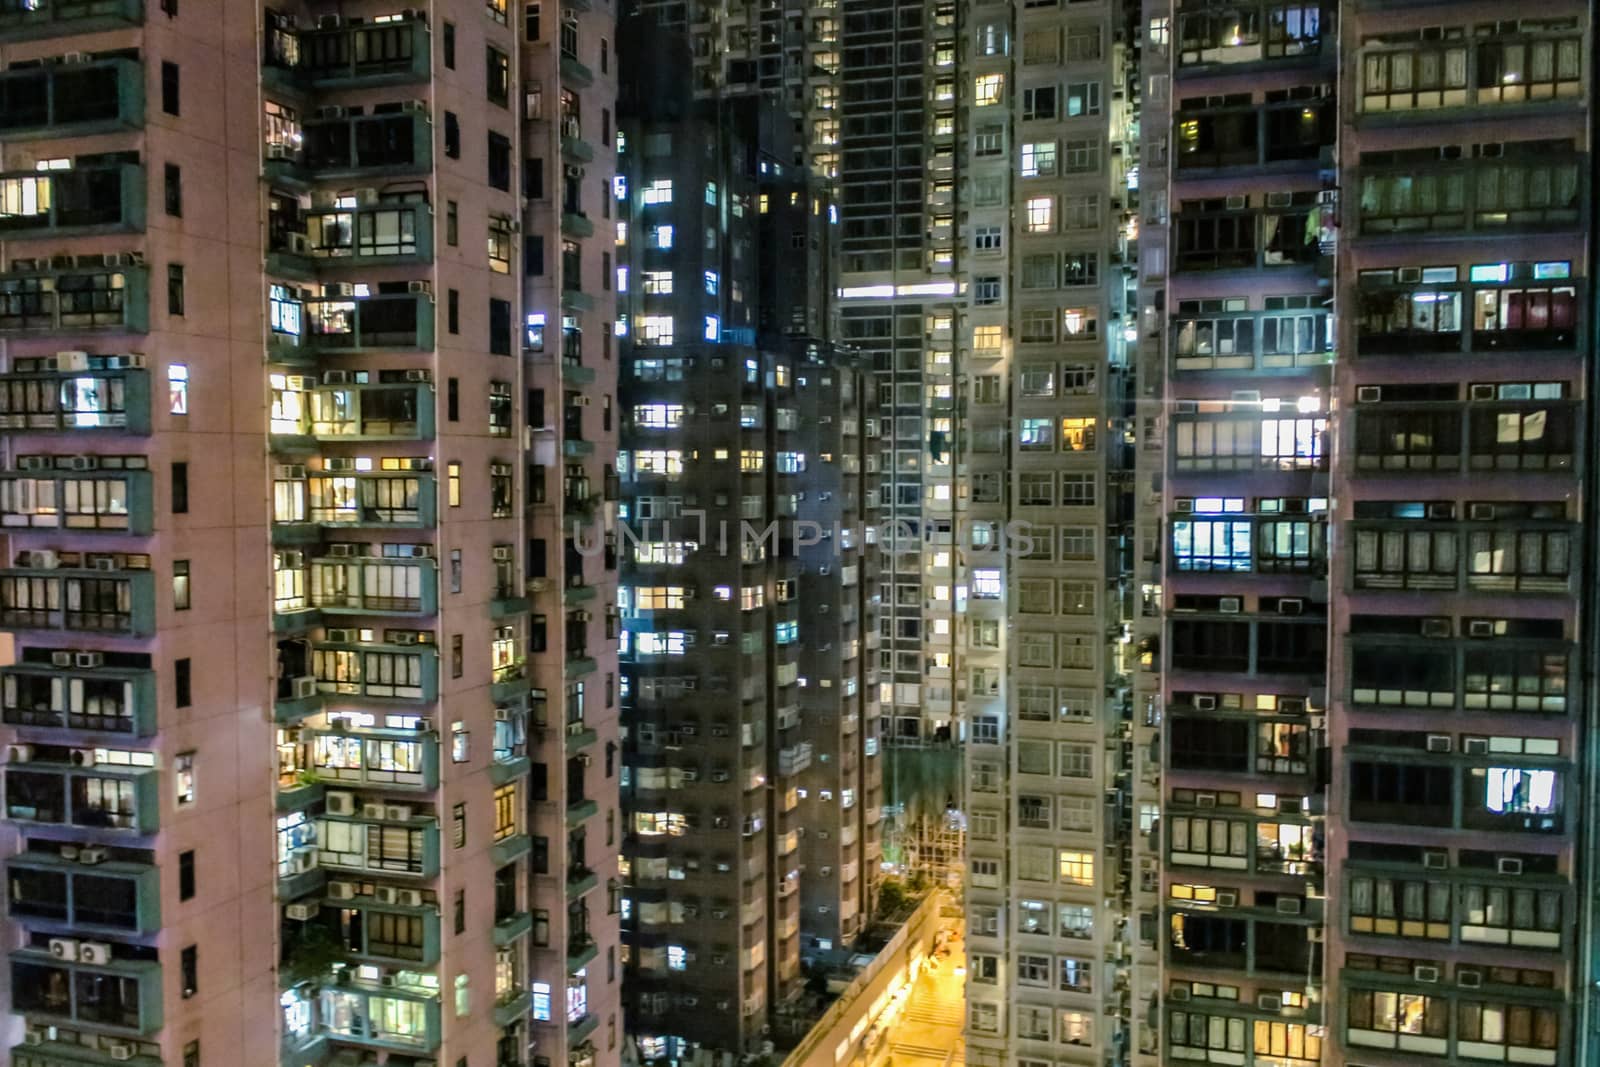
927	1030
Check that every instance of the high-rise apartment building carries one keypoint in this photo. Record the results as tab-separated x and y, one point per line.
1047	130
749	696
1363	372
278	779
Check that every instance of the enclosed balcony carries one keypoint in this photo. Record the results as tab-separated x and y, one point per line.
1217	37
28	20
88	796
335	323
1211	236
377	759
37	596
1536	186
1414	429
89	295
120	995
70	203
60	889
389	143
103	502
396	842
396	1017
364	56
402	500
1295	334
374	585
351	234
1289	130
78	693
304	412
387	928
71	100
1395	662
1502	307
75	393
346	666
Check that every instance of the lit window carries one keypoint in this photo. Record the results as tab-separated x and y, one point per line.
658	416
987	338
713	328
986	584
711	283
1041	214
184	767
658	191
655	329
657	282
987	89
1038	159
1075	868
662	237
711	193
1078	324
178	388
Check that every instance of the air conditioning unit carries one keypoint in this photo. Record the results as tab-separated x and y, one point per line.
501	553
373	811
62	659
330	111
304	859
385	894
1480	512
1469	977
341	890
63	948
1481	391
89	660
1508	865
1290	806
1290	905
84	757
367	195
1183	504
1436	627
410	898
42	559
1269	1002
1236	202
290	472
105	563
91	855
1205	800
1369	394
1230	605
1439	743
33	463
303	687
1424	973
691	774
1475	746
34	1035
1227	898
1178	993
414	105
397	812
302	911
1435	859
338	463
1204	702
419	287
122	1050
336	377
72	360
340	636
1480	628
719	913
19	753
1291	705
406	637
1291	606
128	362
328	22
97	952
280	151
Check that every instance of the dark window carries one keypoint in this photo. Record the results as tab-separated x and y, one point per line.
536	408
605	55
169	87
605	413
497	76
170	9
1206	744
461	911
605	271
499	327
533	179
605	126
191	1051
457	655
531	21
452	310
500	161
452	393
186	875
450	46
533	255
174	190
452	135
1400	793
181	674
180	488
174	289
1211	646
452	223
182	585
541	855
191	971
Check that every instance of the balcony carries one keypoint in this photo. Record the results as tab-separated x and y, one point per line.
380	929
1419	556
574	72
381	145
1228	39
509	684
1404	434
122	995
511	927
78	694
104	502
1506	194
576	224
89	797
580	880
377	412
375	585
390	760
581	950
88	296
1514	309
365	56
367	500
510	848
73	203
1279	135
340	324
99	395
378	234
393	1017
1252	341
511	1007
794	759
574	149
29	20
1267	239
112	601
581	809
400	844
71	100
112	897
1519	673
346	667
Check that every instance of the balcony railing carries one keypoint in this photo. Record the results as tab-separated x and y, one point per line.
401	843
374	585
38	297
1498	195
66	203
79	694
1250	341
402	500
103	502
399	1017
91	797
1236	36
389	53
116	897
71	100
1247	240
383	759
354	324
1506	674
1451	318
365	412
376	234
25	20
96	396
348	668
1529	436
115	601
368	146
122	995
